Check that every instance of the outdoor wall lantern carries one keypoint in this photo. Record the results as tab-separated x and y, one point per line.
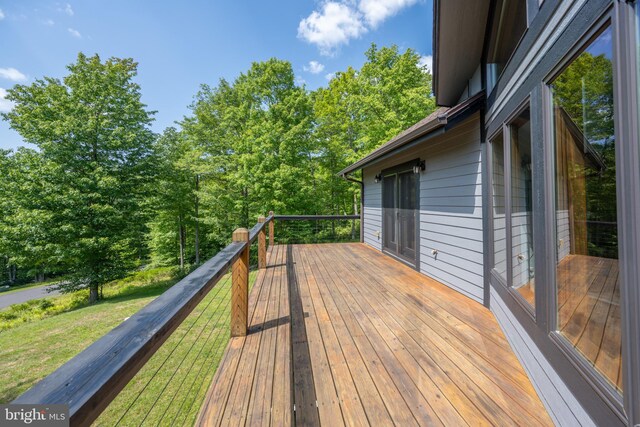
419	167
377	178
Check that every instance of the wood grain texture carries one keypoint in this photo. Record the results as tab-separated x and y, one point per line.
240	286
272	225
262	245
344	335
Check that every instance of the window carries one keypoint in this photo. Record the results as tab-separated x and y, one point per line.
508	25
587	281
522	257
499	224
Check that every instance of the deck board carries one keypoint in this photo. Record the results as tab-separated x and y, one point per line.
348	336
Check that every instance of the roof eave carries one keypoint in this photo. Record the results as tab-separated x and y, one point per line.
417	133
454	114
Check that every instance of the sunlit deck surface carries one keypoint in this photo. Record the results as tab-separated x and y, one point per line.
346	335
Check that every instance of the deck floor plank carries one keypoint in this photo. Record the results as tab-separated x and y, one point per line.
438	353
329	408
366	385
346	391
282	403
242	386
259	412
342	334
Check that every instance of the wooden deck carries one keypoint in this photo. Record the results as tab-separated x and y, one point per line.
348	336
589	311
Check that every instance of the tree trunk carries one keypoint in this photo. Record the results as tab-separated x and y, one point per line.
181	241
93	293
197	231
12	273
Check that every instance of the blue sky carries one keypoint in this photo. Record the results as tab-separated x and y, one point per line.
180	45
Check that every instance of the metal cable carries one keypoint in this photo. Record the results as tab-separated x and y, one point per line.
163	363
198	355
189	350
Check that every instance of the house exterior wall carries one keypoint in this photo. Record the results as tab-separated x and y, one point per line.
450	207
568	389
372	210
564	409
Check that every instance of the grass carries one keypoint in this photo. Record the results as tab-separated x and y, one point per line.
168	390
18	314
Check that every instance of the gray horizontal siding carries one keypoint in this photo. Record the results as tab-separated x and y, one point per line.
563	407
451	211
372	212
563	232
450	208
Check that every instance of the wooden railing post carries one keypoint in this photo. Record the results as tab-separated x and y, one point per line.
271	229
240	286
262	245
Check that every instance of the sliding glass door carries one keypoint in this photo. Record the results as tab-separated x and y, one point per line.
400	213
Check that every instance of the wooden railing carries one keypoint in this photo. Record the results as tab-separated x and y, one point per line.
93	378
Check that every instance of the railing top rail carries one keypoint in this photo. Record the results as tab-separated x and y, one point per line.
93	378
314	217
253	233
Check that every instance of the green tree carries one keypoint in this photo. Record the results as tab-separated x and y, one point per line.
175	201
362	109
253	143
27	232
93	134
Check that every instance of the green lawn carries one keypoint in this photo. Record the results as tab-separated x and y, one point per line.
168	390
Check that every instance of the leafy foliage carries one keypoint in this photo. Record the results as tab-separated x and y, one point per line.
94	165
102	194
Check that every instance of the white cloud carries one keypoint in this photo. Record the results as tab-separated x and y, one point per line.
314	67
5	104
1	15
12	74
426	61
48	22
377	11
67	9
74	33
338	21
334	25
329	76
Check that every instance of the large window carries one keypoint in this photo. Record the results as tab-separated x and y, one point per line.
499	216
587	281
522	257
512	192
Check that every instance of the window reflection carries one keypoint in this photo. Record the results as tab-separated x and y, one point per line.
522	257
588	289
499	226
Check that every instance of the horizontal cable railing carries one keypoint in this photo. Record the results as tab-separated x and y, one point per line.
156	367
291	229
602	238
90	381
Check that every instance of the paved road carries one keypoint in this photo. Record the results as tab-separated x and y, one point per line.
26	295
